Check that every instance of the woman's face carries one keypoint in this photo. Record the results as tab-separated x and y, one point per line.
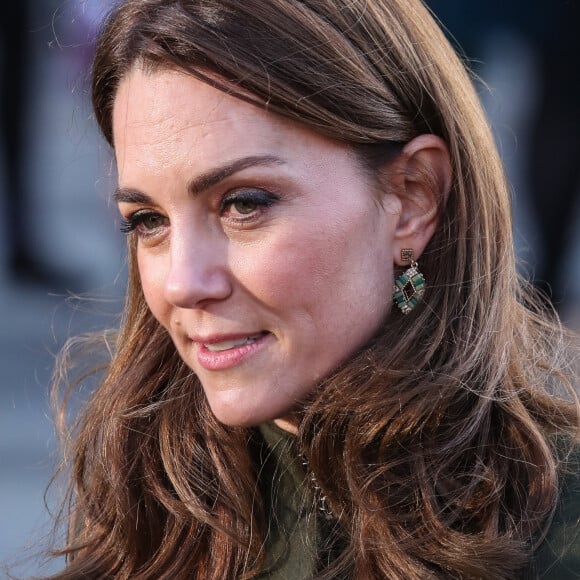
262	247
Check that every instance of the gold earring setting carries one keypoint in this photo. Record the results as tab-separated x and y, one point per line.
410	285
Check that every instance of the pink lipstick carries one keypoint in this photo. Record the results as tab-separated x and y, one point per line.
223	352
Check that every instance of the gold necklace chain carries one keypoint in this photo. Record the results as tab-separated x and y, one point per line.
320	499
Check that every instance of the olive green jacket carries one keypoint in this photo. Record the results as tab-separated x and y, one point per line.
297	540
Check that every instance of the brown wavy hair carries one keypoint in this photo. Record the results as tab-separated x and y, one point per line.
435	443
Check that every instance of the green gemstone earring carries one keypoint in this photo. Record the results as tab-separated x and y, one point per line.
410	285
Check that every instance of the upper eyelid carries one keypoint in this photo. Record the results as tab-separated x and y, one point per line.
131	210
141	214
249	192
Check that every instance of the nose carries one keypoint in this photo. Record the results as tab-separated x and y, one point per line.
198	271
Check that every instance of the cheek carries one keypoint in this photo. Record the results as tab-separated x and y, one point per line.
326	275
152	276
290	270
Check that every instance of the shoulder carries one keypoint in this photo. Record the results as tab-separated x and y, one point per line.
558	556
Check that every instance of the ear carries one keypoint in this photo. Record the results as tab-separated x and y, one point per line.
421	175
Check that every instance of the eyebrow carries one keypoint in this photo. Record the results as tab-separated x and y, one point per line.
204	181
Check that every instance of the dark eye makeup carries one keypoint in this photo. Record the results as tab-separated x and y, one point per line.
245	202
239	205
144	220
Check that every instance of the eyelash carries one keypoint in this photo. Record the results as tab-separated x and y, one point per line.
131	223
258	198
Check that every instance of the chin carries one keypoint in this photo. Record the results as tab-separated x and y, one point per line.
237	416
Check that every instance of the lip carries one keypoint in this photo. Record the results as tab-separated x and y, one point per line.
225	359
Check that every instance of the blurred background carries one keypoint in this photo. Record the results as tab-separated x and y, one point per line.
59	232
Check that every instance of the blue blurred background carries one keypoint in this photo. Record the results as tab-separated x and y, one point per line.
59	231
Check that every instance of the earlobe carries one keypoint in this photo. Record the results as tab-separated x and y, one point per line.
423	178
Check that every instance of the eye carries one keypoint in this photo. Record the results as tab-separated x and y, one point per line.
245	204
144	222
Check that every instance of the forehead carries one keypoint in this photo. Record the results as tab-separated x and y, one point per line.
165	117
163	96
153	109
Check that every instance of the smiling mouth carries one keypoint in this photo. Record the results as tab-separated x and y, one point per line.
234	343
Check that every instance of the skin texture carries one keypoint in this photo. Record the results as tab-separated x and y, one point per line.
294	246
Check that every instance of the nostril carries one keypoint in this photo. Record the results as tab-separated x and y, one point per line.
189	289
